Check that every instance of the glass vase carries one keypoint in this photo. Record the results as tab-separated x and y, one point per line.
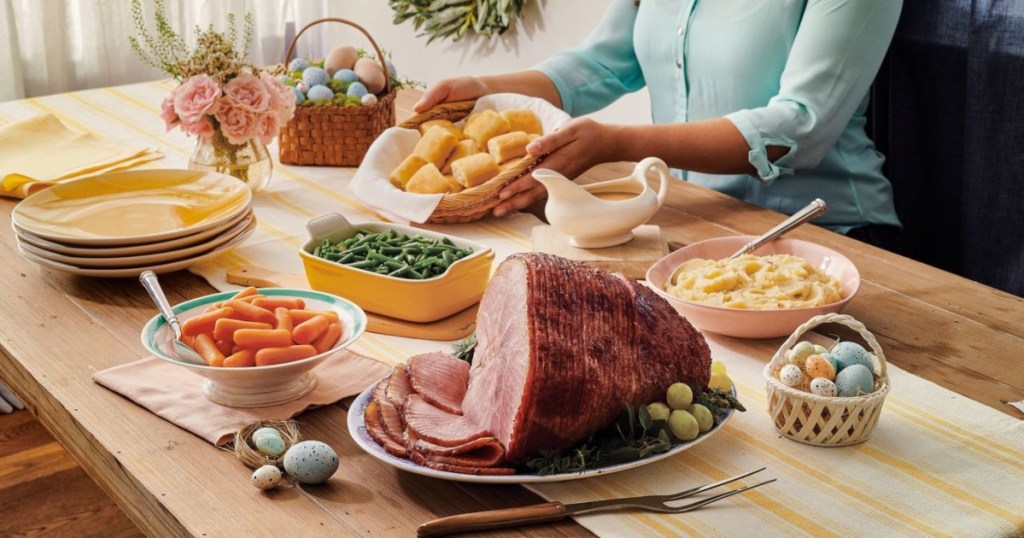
250	162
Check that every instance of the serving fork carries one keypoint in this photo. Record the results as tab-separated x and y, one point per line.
554	511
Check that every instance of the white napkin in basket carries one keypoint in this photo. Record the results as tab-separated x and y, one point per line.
370	183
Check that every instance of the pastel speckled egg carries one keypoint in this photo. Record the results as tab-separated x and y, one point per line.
270	445
850	353
315	76
311	462
368	99
299	96
298	64
266	477
347	76
319	94
855	380
356	89
798	354
791	376
266	430
823	387
818	366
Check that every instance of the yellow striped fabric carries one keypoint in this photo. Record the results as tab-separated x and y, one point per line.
938	464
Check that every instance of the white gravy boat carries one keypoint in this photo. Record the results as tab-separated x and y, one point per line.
603	214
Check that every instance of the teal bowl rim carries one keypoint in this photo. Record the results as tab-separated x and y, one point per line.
153	326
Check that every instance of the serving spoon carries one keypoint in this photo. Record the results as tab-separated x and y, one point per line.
181	349
813	209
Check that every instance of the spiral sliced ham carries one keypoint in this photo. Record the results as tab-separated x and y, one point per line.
562	348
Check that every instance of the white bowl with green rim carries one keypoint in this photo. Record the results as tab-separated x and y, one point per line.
257	386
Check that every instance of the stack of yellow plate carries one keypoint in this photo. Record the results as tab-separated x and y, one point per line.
120	224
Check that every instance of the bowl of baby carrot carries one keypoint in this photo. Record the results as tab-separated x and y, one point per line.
260	345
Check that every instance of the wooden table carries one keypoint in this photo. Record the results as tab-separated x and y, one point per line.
57	329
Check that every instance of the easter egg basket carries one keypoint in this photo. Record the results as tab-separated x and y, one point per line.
823	420
336	135
245	447
475	202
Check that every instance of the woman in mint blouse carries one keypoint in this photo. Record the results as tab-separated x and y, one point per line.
760	99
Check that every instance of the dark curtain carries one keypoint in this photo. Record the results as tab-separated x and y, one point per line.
948	112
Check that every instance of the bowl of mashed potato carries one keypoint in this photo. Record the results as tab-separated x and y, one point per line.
765	294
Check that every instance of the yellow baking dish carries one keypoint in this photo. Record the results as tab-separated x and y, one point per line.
430	299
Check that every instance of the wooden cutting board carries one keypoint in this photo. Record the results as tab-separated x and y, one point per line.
454	327
632	258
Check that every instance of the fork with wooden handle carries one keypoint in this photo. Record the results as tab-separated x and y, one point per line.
554	511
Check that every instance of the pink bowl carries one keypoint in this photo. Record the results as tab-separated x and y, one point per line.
753	323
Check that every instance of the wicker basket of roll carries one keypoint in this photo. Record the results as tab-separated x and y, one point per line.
474	202
822	420
336	135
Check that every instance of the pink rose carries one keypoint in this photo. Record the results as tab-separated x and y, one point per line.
236	121
167	112
248	92
267	127
282	100
202	127
196	97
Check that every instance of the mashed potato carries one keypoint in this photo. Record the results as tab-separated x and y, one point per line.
779	281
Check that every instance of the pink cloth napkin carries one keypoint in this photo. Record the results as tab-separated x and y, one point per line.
173	393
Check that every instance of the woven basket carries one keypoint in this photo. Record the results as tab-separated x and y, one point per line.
820	420
336	135
475	202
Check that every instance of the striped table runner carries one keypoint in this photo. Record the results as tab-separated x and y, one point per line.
938	464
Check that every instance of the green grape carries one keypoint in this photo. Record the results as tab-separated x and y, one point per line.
658	411
703	416
679	396
717	367
683	425
720	381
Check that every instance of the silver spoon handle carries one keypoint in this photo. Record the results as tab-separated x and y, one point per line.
152	285
813	209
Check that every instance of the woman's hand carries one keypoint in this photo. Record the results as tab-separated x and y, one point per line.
571	150
450	89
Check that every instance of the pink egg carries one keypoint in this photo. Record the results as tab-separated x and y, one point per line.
818	366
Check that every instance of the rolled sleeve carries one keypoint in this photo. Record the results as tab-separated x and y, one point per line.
758	142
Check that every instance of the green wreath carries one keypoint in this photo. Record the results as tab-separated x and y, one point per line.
453	18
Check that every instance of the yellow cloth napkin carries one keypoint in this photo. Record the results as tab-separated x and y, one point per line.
41	151
173	393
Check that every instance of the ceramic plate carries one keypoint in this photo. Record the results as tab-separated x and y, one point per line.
125	272
132	250
357	429
245	226
127	208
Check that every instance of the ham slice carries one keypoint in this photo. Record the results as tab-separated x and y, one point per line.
441	380
398	386
481	452
438	426
419	459
371	418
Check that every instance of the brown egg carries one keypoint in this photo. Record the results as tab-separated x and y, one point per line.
370	73
340	58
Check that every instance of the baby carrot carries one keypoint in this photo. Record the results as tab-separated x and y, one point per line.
225	328
244	357
260	338
251	290
299	316
224	346
284	319
307	331
251	298
270	303
279	355
203	323
249	312
328	338
207	349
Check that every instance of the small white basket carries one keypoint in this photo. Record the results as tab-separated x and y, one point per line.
821	420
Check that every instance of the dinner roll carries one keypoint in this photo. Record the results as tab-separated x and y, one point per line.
409	166
474	170
508	146
484	125
436	145
522	120
444	124
428	180
464	148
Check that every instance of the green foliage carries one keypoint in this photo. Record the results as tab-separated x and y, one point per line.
463	349
442	19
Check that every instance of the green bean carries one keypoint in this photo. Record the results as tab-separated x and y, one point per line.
392	253
367	264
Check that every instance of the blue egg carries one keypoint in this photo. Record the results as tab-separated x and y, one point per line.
832	360
299	96
298	64
392	72
270	445
855	380
847	354
284	79
319	94
356	89
347	76
315	76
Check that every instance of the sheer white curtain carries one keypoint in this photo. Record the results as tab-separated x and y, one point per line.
54	46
